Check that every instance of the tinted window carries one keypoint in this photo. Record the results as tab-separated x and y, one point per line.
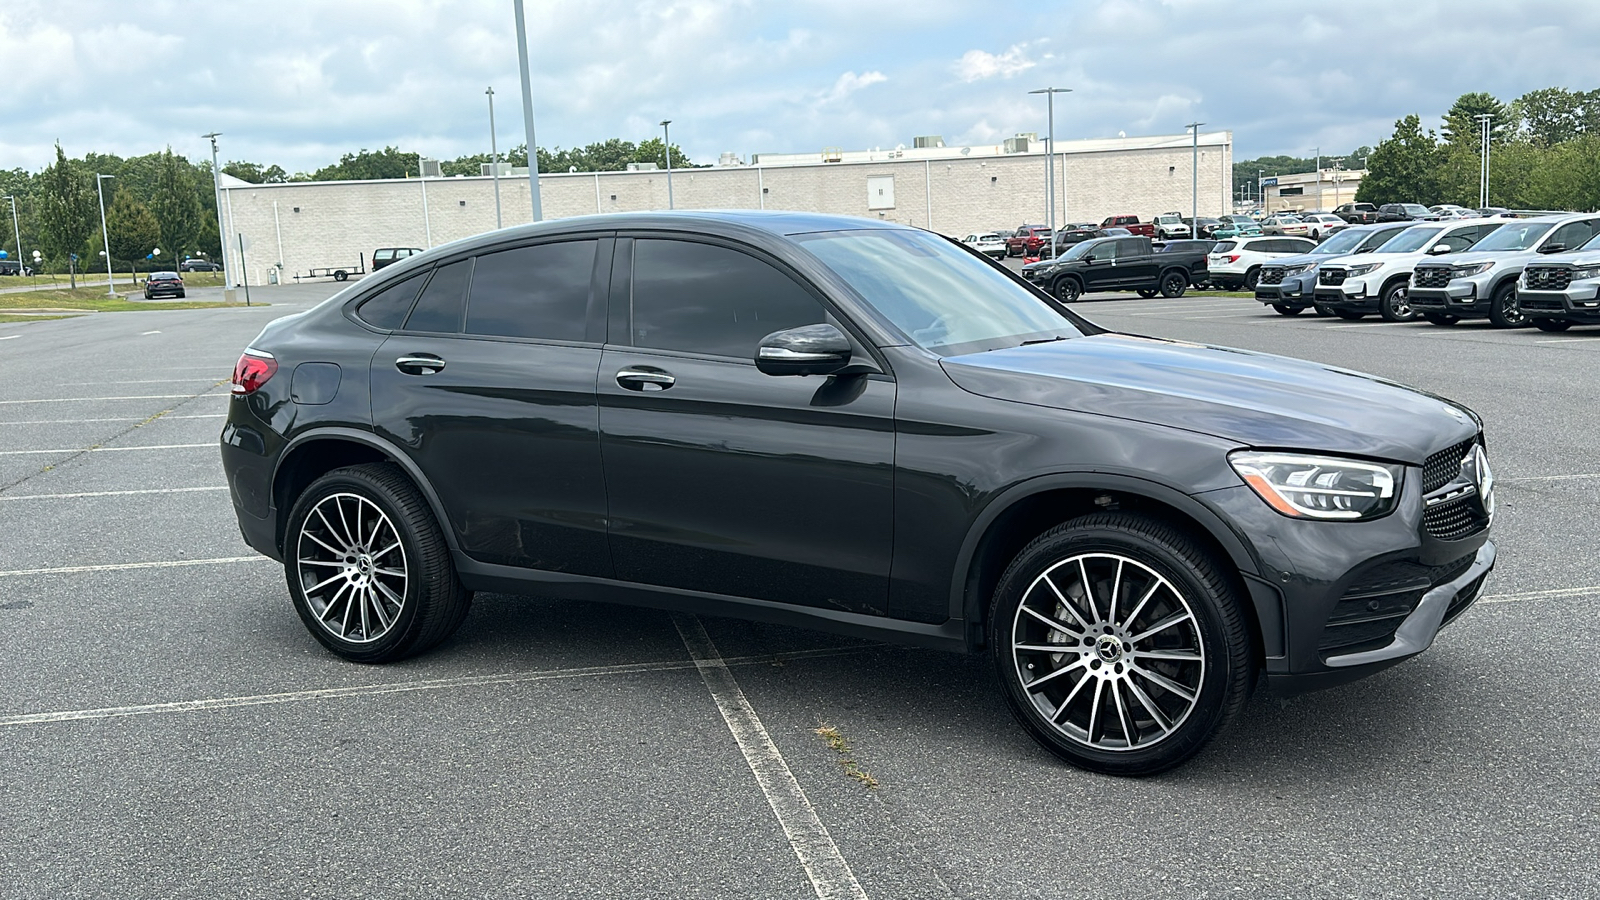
1131	247
1223	246
533	292
388	309
1574	234
382	255
440	306
711	300
1104	250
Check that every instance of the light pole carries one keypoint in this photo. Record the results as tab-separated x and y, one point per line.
1483	164
1194	196
17	232
105	235
1050	157
494	159
527	114
1261	201
222	233
666	136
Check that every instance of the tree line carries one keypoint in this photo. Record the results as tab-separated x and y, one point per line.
1544	153
162	200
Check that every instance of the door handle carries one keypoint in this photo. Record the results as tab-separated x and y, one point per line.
420	364
643	379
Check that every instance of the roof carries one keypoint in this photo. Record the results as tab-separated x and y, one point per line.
772	222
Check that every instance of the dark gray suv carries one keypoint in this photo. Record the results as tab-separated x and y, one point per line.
862	427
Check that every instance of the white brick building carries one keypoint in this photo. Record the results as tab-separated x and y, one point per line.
339	223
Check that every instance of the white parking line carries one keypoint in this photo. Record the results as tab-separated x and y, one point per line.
130	493
1550	478
108	449
9	337
830	875
111	419
1554	593
1562	340
142	381
1362	325
119	567
137	397
403	687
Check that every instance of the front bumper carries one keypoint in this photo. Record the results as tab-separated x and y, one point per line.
1292	292
1353	294
1580	302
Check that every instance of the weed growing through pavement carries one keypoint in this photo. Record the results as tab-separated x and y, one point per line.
836	742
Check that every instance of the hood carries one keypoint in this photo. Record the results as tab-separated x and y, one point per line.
1569	258
1256	399
1314	259
1468	257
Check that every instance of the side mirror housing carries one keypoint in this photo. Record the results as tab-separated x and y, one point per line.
807	350
1553	248
1438	249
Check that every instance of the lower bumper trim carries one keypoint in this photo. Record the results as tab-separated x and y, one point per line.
1416	633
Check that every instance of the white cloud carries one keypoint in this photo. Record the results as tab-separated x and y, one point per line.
850	82
976	65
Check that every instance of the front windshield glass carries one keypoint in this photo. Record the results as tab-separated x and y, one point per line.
1343	242
939	295
1514	237
1410	241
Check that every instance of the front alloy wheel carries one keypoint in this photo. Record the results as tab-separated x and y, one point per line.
1504	310
1173	284
1395	305
1068	290
1120	644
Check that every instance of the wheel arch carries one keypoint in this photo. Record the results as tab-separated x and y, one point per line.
313	454
1066	276
1026	510
1401	278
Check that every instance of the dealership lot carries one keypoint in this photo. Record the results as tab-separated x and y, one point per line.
168	727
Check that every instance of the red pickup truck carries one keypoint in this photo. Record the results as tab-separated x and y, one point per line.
1132	223
1028	240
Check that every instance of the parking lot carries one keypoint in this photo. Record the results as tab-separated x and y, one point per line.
168	728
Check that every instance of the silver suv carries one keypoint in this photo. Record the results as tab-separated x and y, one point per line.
1563	290
1483	281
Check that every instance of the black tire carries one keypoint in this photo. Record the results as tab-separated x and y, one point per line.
1441	318
433	601
340	275
1173	284
182	295
1067	289
1288	310
1504	311
1394	307
1316	236
1551	324
1111	546
1146	293
1322	311
1351	314
1252	278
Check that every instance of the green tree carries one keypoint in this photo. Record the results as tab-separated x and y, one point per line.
1402	168
1461	123
131	228
255	173
66	209
176	205
1550	115
365	164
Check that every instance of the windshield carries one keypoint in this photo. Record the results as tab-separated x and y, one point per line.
1410	241
1514	237
1414	209
1343	242
939	295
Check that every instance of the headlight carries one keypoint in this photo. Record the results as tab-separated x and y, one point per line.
1586	272
1464	271
1364	269
1319	487
1295	270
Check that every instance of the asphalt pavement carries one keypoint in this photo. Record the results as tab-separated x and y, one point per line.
169	729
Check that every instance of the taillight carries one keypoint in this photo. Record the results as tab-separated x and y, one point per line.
1234	258
255	368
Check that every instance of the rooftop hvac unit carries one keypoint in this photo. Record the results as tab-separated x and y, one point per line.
928	141
1022	143
488	169
430	168
642	167
729	158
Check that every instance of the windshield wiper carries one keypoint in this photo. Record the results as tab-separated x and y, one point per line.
1059	337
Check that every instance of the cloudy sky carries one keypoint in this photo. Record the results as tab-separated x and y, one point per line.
298	82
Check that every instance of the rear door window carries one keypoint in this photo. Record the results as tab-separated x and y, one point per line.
1574	234
388	308
443	300
533	292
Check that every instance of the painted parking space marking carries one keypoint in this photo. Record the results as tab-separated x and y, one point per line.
127	493
403	687
126	567
1563	340
1592	590
141	381
93	399
109	449
830	875
9	337
110	419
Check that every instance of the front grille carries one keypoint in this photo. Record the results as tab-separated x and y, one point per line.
1536	278
1456	519
1431	277
1528	303
1379	599
1271	276
1441	468
1331	277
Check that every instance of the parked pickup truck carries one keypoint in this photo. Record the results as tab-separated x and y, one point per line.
1116	264
1482	283
1027	240
1171	227
1358	213
1132	223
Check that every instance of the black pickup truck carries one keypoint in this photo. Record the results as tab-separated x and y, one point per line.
1118	264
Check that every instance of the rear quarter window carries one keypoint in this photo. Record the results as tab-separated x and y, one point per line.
388	308
1223	246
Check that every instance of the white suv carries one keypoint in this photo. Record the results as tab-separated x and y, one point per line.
1376	282
988	243
1236	262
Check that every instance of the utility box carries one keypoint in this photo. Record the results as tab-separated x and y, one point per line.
880	192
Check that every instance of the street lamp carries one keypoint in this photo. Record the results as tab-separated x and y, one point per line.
666	136
1050	157
105	235
1318	152
527	112
16	231
494	159
1483	164
1194	197
222	233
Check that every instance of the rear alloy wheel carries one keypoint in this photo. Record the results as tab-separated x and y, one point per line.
1067	290
1120	644
1251	279
1441	318
1395	305
1551	324
1173	284
1504	311
1146	293
1351	314
368	567
1284	310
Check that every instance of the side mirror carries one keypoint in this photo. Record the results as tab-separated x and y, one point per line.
808	350
1553	248
1438	249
